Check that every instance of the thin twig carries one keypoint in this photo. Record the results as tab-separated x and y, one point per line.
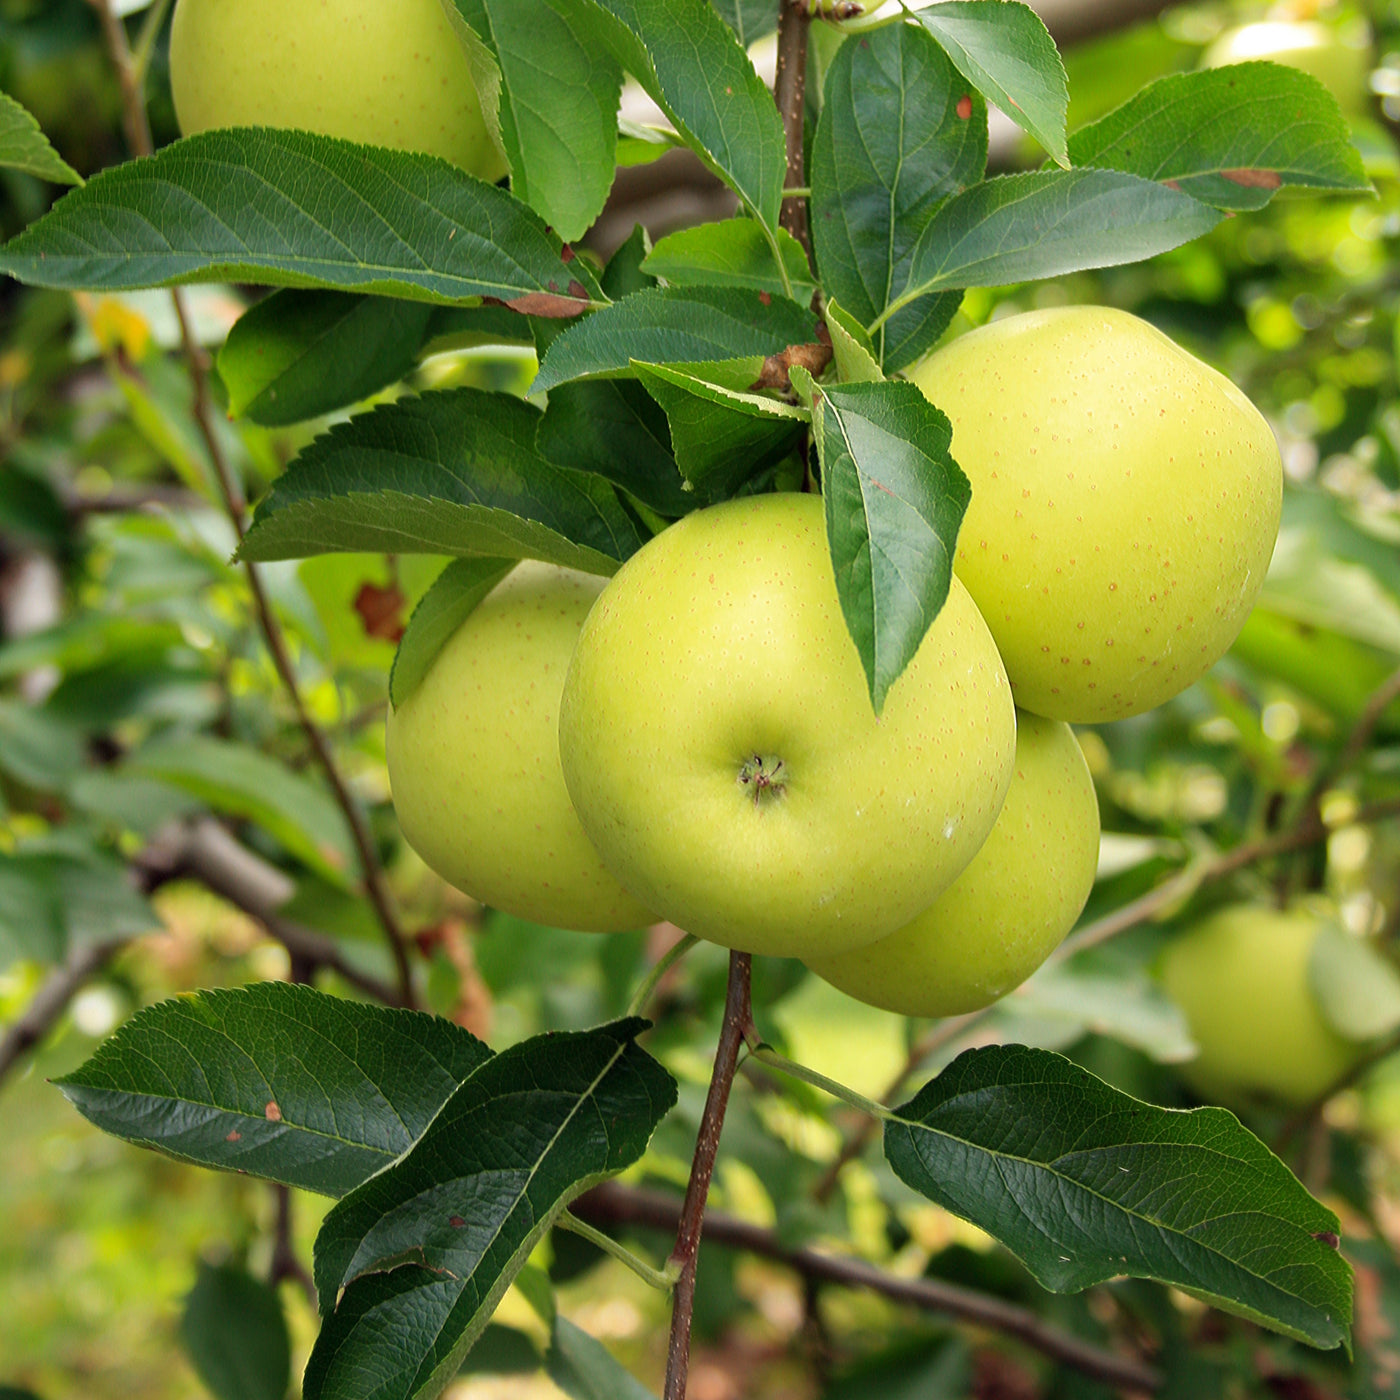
616	1204
689	1219
138	132
285	1263
1362	732
790	93
51	1000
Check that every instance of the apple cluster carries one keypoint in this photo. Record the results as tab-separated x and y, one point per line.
694	740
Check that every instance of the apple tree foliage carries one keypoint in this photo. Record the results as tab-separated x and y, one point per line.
717	361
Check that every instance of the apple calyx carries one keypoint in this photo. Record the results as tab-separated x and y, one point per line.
764	776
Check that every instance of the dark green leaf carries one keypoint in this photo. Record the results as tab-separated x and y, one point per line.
425	1249
1083	1183
443	609
584	1369
557	105
37	748
297	355
625	272
502	1351
894	501
1003	48
1357	987
732	253
722	434
237	780
675	325
456	473
24	147
1229	137
275	1080
614	428
898	134
749	19
60	893
235	1334
294	210
1045	223
695	69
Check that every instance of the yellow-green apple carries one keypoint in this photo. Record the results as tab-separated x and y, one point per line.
1125	503
1009	910
722	752
1241	978
474	760
1340	59
386	72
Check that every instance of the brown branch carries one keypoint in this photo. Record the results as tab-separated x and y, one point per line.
790	93
376	887
51	1000
203	850
689	1218
616	1204
285	1263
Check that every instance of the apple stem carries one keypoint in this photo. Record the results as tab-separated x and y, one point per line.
790	93
736	1030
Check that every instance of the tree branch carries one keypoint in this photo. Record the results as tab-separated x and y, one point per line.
689	1218
51	1000
616	1204
790	93
376	887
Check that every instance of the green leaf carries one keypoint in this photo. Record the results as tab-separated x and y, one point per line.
723	436
851	348
290	209
235	1334
675	325
297	355
425	1249
443	609
455	473
697	72
239	781
1004	49
1045	223
614	428
1357	988
556	112
894	501
24	147
58	894
732	253
584	1369
624	273
898	134
749	19
1229	137
37	748
275	1080
1084	1183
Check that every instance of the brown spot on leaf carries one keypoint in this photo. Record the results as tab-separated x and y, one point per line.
381	611
456	1222
567	254
776	372
766	298
1254	179
1328	1238
548	304
234	1136
1173	185
272	1113
964	107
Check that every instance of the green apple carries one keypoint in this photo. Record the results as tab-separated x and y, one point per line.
473	759
1125	502
1241	978
1339	59
386	72
1009	910
721	749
